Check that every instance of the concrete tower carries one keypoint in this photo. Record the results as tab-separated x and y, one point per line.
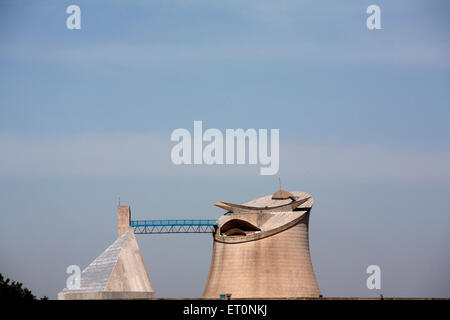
261	249
123	219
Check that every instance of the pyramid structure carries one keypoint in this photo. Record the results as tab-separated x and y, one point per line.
118	273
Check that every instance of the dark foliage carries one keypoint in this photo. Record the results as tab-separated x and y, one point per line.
10	291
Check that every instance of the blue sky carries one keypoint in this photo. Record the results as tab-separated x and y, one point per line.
86	116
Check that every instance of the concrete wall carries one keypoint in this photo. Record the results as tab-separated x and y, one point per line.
123	219
129	273
105	295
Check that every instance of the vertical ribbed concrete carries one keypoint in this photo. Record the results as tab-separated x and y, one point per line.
273	263
123	219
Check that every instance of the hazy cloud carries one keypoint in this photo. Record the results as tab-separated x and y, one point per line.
144	156
145	55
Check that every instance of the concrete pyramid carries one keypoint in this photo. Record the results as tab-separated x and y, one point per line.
118	273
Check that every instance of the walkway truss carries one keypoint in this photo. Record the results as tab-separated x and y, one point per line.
173	226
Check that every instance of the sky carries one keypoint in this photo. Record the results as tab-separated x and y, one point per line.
86	117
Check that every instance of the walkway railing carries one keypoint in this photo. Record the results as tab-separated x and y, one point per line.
173	226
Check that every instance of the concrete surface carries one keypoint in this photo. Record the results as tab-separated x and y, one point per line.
272	263
123	219
118	273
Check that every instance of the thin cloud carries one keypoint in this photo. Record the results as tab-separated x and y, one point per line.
150	55
147	156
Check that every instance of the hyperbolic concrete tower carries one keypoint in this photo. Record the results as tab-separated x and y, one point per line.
261	249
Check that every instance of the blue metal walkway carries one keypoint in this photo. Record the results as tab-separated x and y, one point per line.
173	226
